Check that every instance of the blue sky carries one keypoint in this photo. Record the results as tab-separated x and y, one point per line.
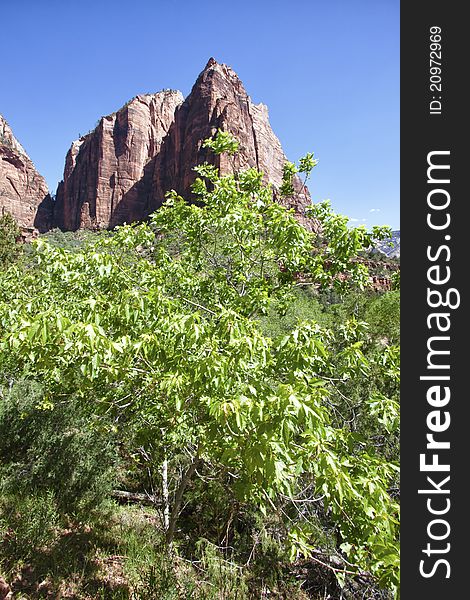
328	71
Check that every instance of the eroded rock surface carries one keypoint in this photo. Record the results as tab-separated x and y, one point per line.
23	191
106	177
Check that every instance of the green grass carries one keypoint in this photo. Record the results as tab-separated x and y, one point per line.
120	556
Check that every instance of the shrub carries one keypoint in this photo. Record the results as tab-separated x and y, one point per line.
383	316
27	523
56	449
10	233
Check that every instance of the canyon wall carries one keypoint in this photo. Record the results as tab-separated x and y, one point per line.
23	191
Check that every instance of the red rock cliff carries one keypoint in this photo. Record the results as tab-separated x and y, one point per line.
23	191
106	179
121	171
219	100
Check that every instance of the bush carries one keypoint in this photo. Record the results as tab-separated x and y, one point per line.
53	448
383	316
10	233
72	241
27	524
305	305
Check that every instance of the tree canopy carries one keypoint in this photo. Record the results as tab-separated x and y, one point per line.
158	326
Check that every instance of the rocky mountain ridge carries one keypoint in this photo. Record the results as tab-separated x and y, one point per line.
391	246
107	179
120	171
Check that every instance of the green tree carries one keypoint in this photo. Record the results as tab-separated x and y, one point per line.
155	325
383	315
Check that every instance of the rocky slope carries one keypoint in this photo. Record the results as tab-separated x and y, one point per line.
120	171
23	191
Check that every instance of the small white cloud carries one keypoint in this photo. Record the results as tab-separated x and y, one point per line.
374	210
354	220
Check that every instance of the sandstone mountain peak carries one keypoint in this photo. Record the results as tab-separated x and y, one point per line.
120	171
211	62
8	139
218	100
23	191
225	71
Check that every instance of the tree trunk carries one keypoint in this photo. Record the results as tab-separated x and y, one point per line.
179	498
166	503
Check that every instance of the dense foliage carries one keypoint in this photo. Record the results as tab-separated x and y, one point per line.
10	233
175	337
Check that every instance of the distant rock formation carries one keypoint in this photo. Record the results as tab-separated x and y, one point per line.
121	171
391	246
108	173
23	191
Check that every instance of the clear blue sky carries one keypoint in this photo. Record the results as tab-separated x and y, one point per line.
328	71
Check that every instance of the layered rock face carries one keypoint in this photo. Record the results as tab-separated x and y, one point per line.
219	100
107	179
121	171
23	191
